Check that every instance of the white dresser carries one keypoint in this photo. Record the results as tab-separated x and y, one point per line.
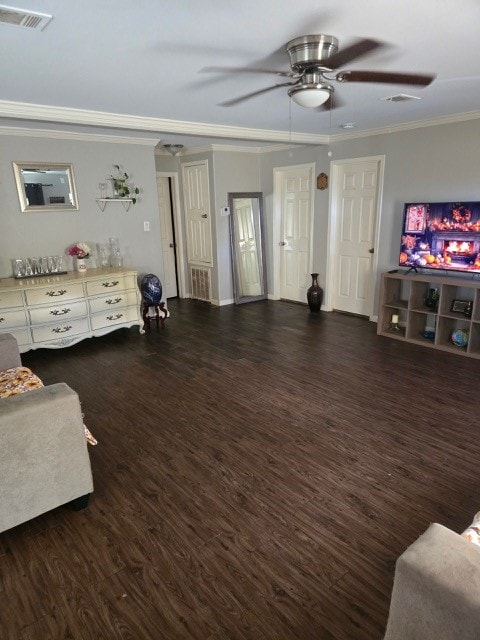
57	311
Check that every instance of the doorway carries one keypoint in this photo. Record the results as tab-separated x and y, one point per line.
171	234
293	231
355	204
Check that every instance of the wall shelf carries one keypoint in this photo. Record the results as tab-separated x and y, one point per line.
404	297
102	202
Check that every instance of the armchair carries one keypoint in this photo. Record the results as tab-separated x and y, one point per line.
44	462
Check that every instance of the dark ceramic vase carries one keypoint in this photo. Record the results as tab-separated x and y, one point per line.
151	289
315	294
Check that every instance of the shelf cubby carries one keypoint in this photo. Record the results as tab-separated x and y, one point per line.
418	323
405	296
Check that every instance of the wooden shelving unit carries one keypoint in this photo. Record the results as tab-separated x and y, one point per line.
404	296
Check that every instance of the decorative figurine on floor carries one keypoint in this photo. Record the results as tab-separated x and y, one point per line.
151	289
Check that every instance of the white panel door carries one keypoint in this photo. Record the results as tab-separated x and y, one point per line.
356	206
168	243
196	198
296	234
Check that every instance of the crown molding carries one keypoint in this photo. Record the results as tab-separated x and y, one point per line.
74	135
231	148
408	126
27	111
287	140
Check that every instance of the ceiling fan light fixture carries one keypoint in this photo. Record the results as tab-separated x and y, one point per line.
310	96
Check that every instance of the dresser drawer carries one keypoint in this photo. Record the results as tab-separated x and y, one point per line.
60	313
56	294
109	284
120	316
61	329
11	299
12	319
112	301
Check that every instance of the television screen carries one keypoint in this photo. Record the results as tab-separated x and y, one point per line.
441	235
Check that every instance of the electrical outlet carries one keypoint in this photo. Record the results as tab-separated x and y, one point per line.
146	225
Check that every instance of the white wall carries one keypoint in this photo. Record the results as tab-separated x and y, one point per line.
51	233
232	172
432	163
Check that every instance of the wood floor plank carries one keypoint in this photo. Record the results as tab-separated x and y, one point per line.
259	470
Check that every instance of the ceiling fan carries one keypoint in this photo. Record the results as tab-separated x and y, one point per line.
313	58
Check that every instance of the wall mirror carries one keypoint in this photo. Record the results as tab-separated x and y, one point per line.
248	247
45	186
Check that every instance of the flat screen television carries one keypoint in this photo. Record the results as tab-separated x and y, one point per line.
441	235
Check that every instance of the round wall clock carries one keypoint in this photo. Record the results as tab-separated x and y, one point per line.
322	181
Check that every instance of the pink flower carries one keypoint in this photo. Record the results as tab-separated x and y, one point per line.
79	249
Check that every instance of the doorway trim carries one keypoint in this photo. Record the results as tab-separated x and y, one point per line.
177	221
333	218
278	176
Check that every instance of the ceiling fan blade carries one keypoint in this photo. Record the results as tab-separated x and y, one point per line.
288	74
355	50
386	77
247	96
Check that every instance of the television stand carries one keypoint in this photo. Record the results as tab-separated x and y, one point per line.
412	268
404	296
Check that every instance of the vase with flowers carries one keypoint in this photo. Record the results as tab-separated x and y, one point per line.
80	251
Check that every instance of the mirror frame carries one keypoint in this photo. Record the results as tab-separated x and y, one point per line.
239	299
19	167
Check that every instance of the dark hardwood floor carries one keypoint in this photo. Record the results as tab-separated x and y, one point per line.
258	472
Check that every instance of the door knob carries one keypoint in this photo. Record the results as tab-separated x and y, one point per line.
282	244
204	215
372	250
171	245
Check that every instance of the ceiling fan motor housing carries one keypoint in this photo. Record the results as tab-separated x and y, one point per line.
311	51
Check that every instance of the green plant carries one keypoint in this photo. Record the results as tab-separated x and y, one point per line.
123	188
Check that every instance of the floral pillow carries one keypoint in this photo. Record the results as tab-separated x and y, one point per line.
472	533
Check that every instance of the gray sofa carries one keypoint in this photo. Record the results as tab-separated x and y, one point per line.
44	462
436	590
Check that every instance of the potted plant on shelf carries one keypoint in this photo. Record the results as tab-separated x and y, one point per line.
121	187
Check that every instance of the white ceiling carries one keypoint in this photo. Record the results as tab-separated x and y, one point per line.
142	60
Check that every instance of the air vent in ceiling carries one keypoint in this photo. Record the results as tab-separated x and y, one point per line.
400	97
24	18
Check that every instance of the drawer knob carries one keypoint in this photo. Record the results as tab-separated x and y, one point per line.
116	301
53	294
61	329
117	316
60	312
2	319
110	284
